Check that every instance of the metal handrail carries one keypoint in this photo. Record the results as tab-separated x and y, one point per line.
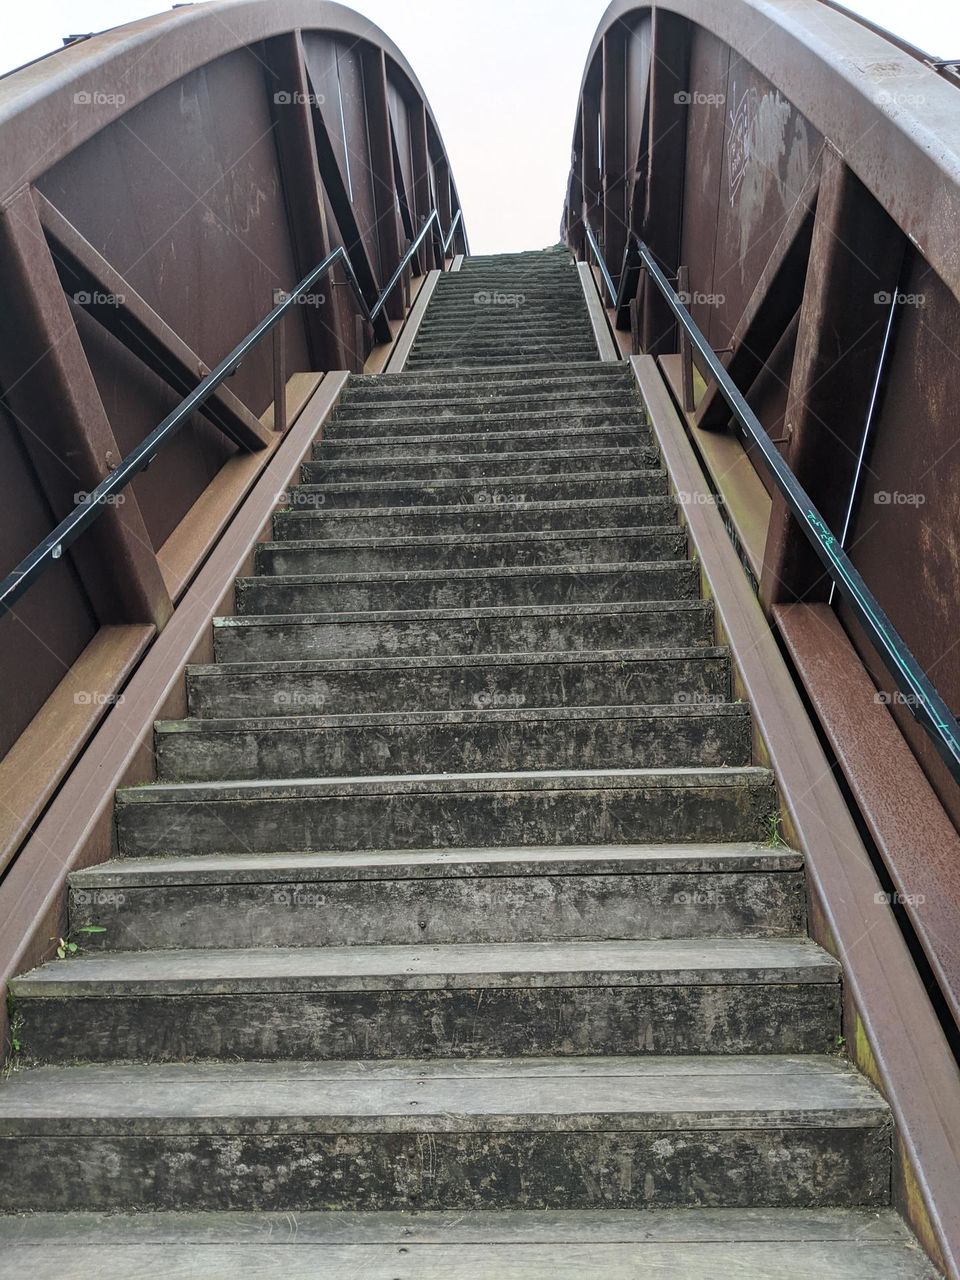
923	700
16	583
607	278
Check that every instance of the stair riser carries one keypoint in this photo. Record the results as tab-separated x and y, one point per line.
547	634
666	581
485	1169
496	490
624	682
401	444
284	558
571	377
482	1021
433	820
443	908
470	404
548	358
643	742
474	468
488	517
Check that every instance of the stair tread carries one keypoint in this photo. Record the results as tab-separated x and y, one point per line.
697	961
465	717
602	569
419	783
375	864
698	1244
603	533
601	656
704	1092
465	482
478	611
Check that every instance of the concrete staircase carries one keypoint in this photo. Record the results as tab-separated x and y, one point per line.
454	938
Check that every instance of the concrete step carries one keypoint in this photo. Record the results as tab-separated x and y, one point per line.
501	1000
473	517
467	435
479	490
552	1133
549	356
315	746
436	810
570	378
418	897
347	686
491	396
416	633
526	328
466	551
466	466
467	588
697	1244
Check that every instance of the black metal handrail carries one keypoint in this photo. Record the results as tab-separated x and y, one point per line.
595	248
16	583
920	696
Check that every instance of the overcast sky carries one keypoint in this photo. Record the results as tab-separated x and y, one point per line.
501	75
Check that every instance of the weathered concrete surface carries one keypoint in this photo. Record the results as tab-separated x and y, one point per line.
441	896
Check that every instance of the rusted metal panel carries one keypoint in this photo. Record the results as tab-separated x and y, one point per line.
769	150
839	345
665	162
49	387
706	132
53	623
905	536
182	196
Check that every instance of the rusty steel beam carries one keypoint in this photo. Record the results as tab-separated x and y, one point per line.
771	306
666	155
297	151
138	326
614	150
380	136
855	254
421	196
47	383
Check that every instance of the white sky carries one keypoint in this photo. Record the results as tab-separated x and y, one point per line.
501	75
